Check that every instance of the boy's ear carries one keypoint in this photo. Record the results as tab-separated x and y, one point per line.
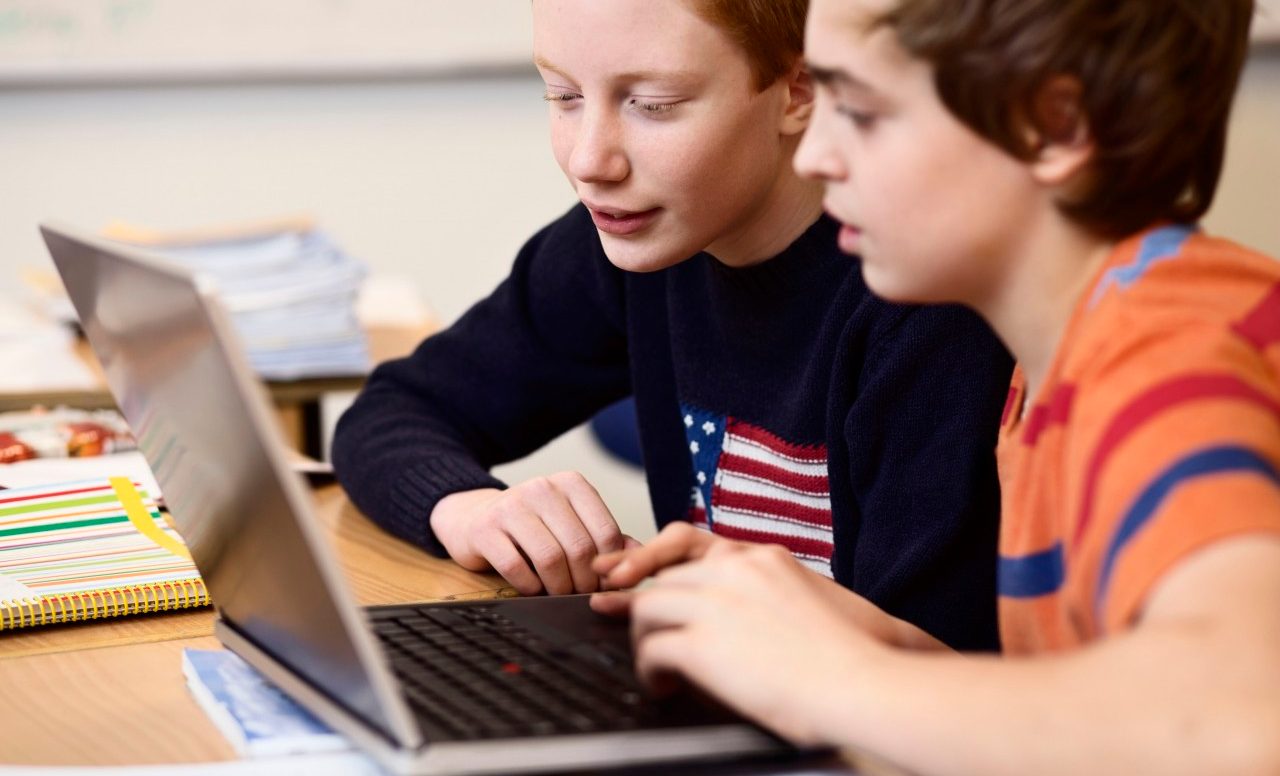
1059	132
799	105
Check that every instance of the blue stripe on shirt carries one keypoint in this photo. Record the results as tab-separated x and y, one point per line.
1157	245
1029	576
1213	460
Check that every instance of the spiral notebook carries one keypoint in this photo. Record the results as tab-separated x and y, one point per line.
83	550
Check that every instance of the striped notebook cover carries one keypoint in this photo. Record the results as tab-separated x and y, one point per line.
83	550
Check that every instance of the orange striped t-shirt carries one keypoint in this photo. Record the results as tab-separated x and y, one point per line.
1156	432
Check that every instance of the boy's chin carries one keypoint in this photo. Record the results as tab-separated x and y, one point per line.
640	255
893	288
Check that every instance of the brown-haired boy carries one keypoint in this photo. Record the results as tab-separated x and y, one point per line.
777	399
1052	157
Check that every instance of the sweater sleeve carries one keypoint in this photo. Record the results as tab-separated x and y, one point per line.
921	434
537	357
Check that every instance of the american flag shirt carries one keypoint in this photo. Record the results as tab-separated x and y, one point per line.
752	485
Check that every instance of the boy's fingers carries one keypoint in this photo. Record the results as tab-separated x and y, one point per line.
540	546
502	554
671	547
593	513
576	544
603	564
658	660
614	603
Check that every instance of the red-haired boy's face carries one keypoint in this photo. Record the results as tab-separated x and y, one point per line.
935	211
656	122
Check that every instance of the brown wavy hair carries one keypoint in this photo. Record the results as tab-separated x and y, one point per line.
1156	79
771	32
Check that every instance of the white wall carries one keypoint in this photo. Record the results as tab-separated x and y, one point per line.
438	180
1248	204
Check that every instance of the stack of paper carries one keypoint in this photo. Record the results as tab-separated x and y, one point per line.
290	290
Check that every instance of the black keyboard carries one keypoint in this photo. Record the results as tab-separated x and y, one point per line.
469	672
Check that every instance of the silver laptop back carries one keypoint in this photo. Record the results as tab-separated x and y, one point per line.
176	369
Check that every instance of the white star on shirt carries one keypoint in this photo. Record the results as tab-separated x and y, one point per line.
702	478
693	448
688	421
709	428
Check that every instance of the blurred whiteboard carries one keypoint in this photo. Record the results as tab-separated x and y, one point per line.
113	41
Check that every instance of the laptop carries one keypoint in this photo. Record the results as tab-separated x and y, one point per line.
504	686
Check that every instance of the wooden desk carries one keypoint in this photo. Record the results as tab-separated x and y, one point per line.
112	692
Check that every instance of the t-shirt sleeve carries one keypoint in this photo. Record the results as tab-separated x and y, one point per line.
1178	447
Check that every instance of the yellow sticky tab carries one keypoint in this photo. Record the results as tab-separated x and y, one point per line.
141	518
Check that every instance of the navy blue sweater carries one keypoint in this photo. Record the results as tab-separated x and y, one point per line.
778	402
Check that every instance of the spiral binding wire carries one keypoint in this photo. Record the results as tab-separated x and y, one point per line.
104	602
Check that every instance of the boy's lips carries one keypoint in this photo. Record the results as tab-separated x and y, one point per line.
617	221
849	233
848	238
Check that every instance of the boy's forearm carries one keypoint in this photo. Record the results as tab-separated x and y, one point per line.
1137	704
1193	688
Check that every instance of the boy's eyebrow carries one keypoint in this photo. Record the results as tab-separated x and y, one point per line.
835	76
637	75
542	62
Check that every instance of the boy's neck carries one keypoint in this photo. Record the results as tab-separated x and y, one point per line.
784	213
1049	272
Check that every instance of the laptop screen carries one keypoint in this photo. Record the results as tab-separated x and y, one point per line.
178	374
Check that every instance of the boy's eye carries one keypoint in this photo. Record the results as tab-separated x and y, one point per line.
561	96
861	119
651	108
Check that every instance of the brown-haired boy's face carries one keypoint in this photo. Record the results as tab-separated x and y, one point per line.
934	210
657	124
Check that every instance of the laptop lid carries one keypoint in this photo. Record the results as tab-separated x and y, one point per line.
176	369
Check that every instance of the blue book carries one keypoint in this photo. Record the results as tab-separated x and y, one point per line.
255	716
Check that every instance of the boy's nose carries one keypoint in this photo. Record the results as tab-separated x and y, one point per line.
816	158
598	154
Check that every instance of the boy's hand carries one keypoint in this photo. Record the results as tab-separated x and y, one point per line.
682	543
539	535
677	543
750	625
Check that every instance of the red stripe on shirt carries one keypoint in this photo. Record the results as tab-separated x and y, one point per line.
777	445
1055	413
698	516
1008	405
812	485
795	544
769	507
1163	396
1261	326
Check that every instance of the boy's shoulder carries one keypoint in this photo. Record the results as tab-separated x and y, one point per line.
1169	396
1173	300
1176	345
1178	270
